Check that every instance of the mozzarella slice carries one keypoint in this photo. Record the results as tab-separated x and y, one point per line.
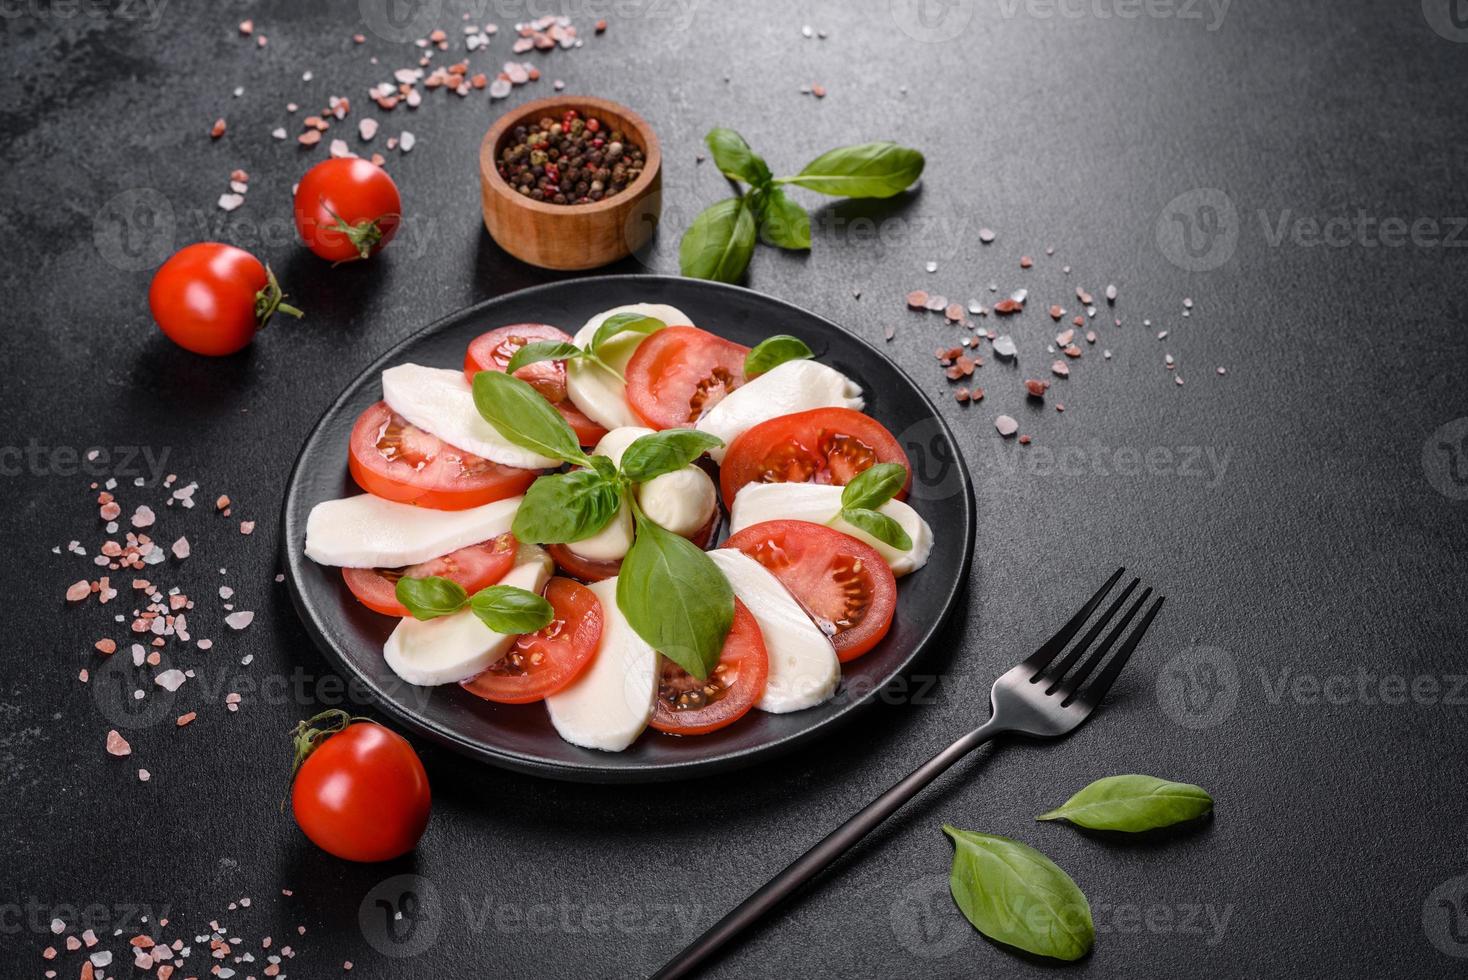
440	401
610	704
759	502
599	394
453	648
804	670
368	532
795	386
682	501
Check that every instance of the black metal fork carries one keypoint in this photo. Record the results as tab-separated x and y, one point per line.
1042	697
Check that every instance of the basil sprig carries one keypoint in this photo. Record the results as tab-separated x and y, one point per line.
560	350
1133	803
720	241
675	597
520	414
774	351
503	608
872	488
1014	894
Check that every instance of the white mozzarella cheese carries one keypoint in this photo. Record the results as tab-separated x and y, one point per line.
368	532
795	386
804	670
599	394
610	704
682	502
759	502
440	401
454	648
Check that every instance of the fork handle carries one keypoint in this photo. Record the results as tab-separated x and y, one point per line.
819	857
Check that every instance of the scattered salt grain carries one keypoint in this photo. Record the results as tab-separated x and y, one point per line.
170	680
144	775
143	517
116	744
1006	426
239	620
180	548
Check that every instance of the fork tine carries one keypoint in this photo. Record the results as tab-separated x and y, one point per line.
1057	673
1102	684
1073	683
1041	658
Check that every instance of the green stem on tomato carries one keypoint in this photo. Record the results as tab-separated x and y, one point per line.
308	734
271	300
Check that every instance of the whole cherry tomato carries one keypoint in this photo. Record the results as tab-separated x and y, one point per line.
211	298
360	791
347	208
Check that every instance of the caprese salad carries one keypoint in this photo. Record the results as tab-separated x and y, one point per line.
541	522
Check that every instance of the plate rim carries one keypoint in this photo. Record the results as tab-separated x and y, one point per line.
420	724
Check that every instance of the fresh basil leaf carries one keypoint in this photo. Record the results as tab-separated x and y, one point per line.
605	467
665	452
1016	895
511	610
621	323
676	598
541	350
874	486
782	222
774	351
521	415
735	159
868	170
719	242
1133	803
878	525
564	507
431	596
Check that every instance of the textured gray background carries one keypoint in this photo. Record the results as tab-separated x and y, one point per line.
1329	544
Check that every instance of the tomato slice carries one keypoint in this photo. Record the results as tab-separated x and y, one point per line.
595	569
823	445
542	663
686	706
492	352
473	567
395	460
843	583
679	373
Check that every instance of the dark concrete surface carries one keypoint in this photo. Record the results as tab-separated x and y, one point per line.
1294	169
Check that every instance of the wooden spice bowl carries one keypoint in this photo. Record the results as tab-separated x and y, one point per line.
571	236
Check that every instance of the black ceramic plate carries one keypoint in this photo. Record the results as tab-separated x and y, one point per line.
520	736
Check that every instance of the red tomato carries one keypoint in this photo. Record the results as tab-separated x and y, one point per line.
542	663
397	461
823	445
595	570
347	208
679	373
362	793
474	567
211	298
843	583
492	352
687	706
